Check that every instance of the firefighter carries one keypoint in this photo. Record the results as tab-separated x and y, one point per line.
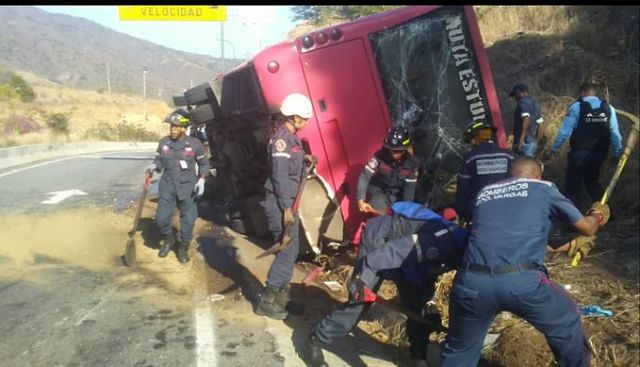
286	167
591	124
184	163
484	164
503	268
411	247
390	175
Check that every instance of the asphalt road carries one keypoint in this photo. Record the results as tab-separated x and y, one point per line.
67	300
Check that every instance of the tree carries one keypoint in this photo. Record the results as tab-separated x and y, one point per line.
331	14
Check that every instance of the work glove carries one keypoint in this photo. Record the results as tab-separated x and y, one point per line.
199	188
582	244
310	159
150	169
601	211
287	217
358	291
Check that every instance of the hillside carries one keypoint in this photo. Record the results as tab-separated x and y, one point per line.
76	52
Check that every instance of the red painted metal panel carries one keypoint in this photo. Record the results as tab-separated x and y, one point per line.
351	132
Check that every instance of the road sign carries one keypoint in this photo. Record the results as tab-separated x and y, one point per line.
173	13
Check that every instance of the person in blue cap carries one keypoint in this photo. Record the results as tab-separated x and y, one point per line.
591	125
411	247
527	121
503	268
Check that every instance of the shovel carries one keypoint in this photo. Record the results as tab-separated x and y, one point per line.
130	249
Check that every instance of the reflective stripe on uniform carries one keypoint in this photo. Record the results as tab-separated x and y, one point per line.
410	180
441	232
525	114
286	155
487	156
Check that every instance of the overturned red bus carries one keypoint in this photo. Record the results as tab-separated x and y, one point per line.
423	67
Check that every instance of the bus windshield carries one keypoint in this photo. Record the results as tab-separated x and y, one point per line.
431	82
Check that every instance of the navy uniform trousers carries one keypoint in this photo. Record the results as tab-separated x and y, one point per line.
281	270
167	203
476	298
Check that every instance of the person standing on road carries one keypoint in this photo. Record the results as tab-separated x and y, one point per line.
411	247
527	122
286	167
484	164
591	124
184	163
503	268
390	175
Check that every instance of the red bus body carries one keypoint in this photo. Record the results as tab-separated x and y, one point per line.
424	67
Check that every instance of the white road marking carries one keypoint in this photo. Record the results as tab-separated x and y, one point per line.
59	196
205	329
67	158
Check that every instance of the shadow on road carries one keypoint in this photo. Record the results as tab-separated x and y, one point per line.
221	256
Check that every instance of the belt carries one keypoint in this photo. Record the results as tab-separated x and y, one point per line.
502	269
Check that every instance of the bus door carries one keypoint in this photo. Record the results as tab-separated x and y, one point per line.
350	119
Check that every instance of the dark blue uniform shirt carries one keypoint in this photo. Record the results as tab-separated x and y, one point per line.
286	159
526	107
390	176
178	160
511	221
483	165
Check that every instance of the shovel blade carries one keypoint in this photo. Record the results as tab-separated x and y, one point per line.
130	253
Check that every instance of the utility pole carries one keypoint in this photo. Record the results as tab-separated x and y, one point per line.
144	90
108	76
222	44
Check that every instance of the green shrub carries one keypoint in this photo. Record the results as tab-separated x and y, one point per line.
58	122
23	89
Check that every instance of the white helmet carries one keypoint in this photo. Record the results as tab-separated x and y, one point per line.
296	104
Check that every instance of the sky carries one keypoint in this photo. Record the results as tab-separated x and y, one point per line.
246	30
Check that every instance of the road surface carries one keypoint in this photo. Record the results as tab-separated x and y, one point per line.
67	300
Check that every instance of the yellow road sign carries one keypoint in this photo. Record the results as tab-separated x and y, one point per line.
173	13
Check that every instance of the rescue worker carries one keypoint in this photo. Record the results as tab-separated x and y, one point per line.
484	164
390	175
286	167
591	125
527	121
184	163
411	247
503	268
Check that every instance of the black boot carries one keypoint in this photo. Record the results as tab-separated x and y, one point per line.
269	305
183	252
165	246
311	352
284	300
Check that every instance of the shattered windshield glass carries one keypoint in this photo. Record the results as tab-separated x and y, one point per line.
432	85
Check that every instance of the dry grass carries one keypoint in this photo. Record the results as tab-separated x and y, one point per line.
90	114
507	21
